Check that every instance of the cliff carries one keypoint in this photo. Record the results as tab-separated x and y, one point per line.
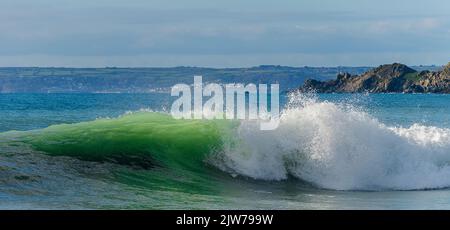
392	78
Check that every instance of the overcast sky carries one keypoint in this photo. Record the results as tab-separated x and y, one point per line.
225	33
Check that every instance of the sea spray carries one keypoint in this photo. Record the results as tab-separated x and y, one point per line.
339	146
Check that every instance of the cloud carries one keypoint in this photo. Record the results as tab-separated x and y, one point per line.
200	28
421	25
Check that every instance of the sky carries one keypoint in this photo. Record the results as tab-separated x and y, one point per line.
225	33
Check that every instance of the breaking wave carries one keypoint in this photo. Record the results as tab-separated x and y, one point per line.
331	145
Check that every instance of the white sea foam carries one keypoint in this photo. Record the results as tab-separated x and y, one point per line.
338	146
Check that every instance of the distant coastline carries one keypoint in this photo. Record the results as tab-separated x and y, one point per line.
153	79
159	79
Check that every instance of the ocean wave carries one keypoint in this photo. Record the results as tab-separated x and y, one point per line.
331	145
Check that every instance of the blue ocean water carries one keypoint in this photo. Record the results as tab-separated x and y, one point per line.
32	111
340	151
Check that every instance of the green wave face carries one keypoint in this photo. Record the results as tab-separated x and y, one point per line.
151	150
145	139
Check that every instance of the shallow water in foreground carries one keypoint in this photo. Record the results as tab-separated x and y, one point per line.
338	151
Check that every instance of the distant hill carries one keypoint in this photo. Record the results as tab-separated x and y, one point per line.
141	80
391	78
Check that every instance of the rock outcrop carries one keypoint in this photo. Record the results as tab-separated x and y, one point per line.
392	78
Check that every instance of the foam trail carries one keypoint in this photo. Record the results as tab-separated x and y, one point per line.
338	146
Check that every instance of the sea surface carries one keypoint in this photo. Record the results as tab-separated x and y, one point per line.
123	151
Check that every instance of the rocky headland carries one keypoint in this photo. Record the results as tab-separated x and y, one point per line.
391	78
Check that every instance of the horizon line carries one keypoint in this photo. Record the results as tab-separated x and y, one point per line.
206	67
